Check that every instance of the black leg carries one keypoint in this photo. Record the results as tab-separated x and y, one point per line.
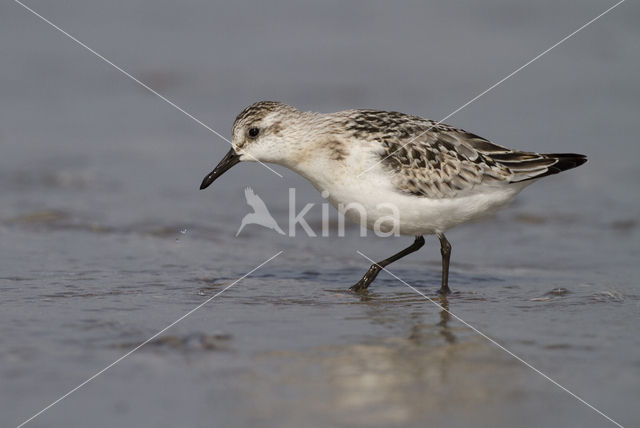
376	268
445	250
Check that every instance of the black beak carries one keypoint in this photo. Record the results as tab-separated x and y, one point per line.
229	160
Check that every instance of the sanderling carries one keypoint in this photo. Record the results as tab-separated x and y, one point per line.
437	176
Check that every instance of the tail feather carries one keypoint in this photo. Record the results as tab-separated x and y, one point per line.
546	164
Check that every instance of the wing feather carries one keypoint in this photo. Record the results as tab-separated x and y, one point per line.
436	160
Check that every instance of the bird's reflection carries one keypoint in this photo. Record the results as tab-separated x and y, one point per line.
384	373
419	329
445	316
379	314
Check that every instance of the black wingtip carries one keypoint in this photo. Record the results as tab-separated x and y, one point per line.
567	160
563	162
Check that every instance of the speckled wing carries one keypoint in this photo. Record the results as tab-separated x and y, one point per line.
438	161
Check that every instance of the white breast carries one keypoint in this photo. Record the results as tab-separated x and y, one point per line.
367	196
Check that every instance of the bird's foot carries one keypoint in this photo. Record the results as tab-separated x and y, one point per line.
360	286
444	290
367	279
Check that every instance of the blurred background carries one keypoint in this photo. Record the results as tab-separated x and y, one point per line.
105	238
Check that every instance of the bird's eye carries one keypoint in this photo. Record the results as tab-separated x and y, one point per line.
253	132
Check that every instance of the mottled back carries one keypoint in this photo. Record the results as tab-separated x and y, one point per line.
439	161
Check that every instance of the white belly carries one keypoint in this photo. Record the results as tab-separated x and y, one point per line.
371	199
375	203
418	215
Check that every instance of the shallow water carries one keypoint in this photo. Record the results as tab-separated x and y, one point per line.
105	239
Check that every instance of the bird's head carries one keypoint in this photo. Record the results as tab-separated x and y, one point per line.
258	134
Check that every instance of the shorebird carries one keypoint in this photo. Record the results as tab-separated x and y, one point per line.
435	175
